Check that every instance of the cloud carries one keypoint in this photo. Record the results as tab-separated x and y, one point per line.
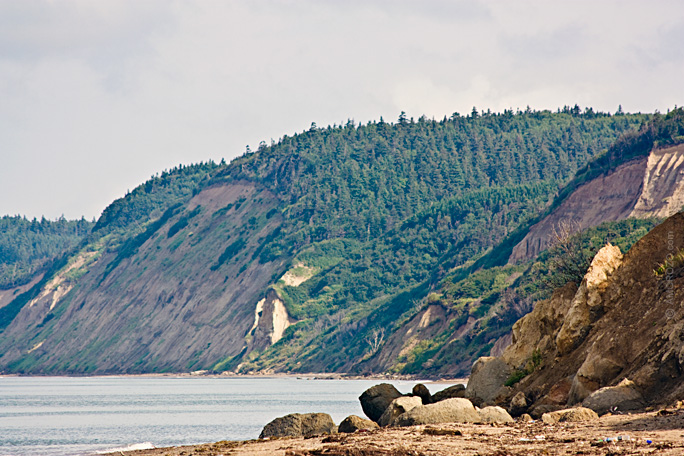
98	96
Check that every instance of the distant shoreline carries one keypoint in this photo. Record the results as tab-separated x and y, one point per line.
228	375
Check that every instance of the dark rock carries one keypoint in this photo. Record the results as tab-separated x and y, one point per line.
376	399
355	423
299	425
423	393
449	393
518	404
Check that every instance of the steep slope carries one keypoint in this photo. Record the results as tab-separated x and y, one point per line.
623	328
646	179
289	258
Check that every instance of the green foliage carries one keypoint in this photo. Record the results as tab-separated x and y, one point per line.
28	246
532	365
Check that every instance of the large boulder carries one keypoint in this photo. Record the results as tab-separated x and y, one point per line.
397	407
423	393
570	415
355	423
518	404
376	399
623	397
494	415
487	380
456	410
449	393
299	425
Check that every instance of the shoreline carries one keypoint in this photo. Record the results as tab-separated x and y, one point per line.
233	375
639	433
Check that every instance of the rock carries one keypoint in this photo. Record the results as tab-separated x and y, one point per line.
486	379
518	404
571	415
455	410
376	399
587	304
525	418
355	423
397	407
299	425
539	410
623	397
494	415
449	393
422	392
597	370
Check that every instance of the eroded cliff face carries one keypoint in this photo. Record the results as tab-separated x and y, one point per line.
652	186
621	331
184	301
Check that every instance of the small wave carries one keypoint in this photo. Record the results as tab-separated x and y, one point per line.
132	447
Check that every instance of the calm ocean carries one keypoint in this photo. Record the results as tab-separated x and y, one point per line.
85	415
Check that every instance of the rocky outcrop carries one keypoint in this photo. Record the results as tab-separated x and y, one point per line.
270	321
487	379
355	423
376	399
587	305
455	410
397	407
624	321
299	425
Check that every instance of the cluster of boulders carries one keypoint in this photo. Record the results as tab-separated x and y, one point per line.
385	406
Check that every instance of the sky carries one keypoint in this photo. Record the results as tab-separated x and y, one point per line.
97	96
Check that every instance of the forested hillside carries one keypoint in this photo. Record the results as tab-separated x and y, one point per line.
352	228
27	246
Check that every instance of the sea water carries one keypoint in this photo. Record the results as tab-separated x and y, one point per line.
87	415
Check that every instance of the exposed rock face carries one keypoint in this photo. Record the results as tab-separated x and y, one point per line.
651	186
455	410
355	423
397	407
494	414
486	380
518	404
376	399
587	305
623	397
270	321
570	415
448	393
625	321
298	425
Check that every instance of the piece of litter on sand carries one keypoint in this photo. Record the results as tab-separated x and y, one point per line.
649	441
539	437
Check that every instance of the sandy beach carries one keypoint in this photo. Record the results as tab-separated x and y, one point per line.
660	432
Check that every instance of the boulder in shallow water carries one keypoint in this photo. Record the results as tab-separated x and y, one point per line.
299	425
355	423
376	399
456	410
397	407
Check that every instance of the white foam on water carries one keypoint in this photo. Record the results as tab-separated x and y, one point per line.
132	447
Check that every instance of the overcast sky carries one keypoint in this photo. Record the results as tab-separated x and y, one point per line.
97	96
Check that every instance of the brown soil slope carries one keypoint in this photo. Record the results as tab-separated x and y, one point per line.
624	322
